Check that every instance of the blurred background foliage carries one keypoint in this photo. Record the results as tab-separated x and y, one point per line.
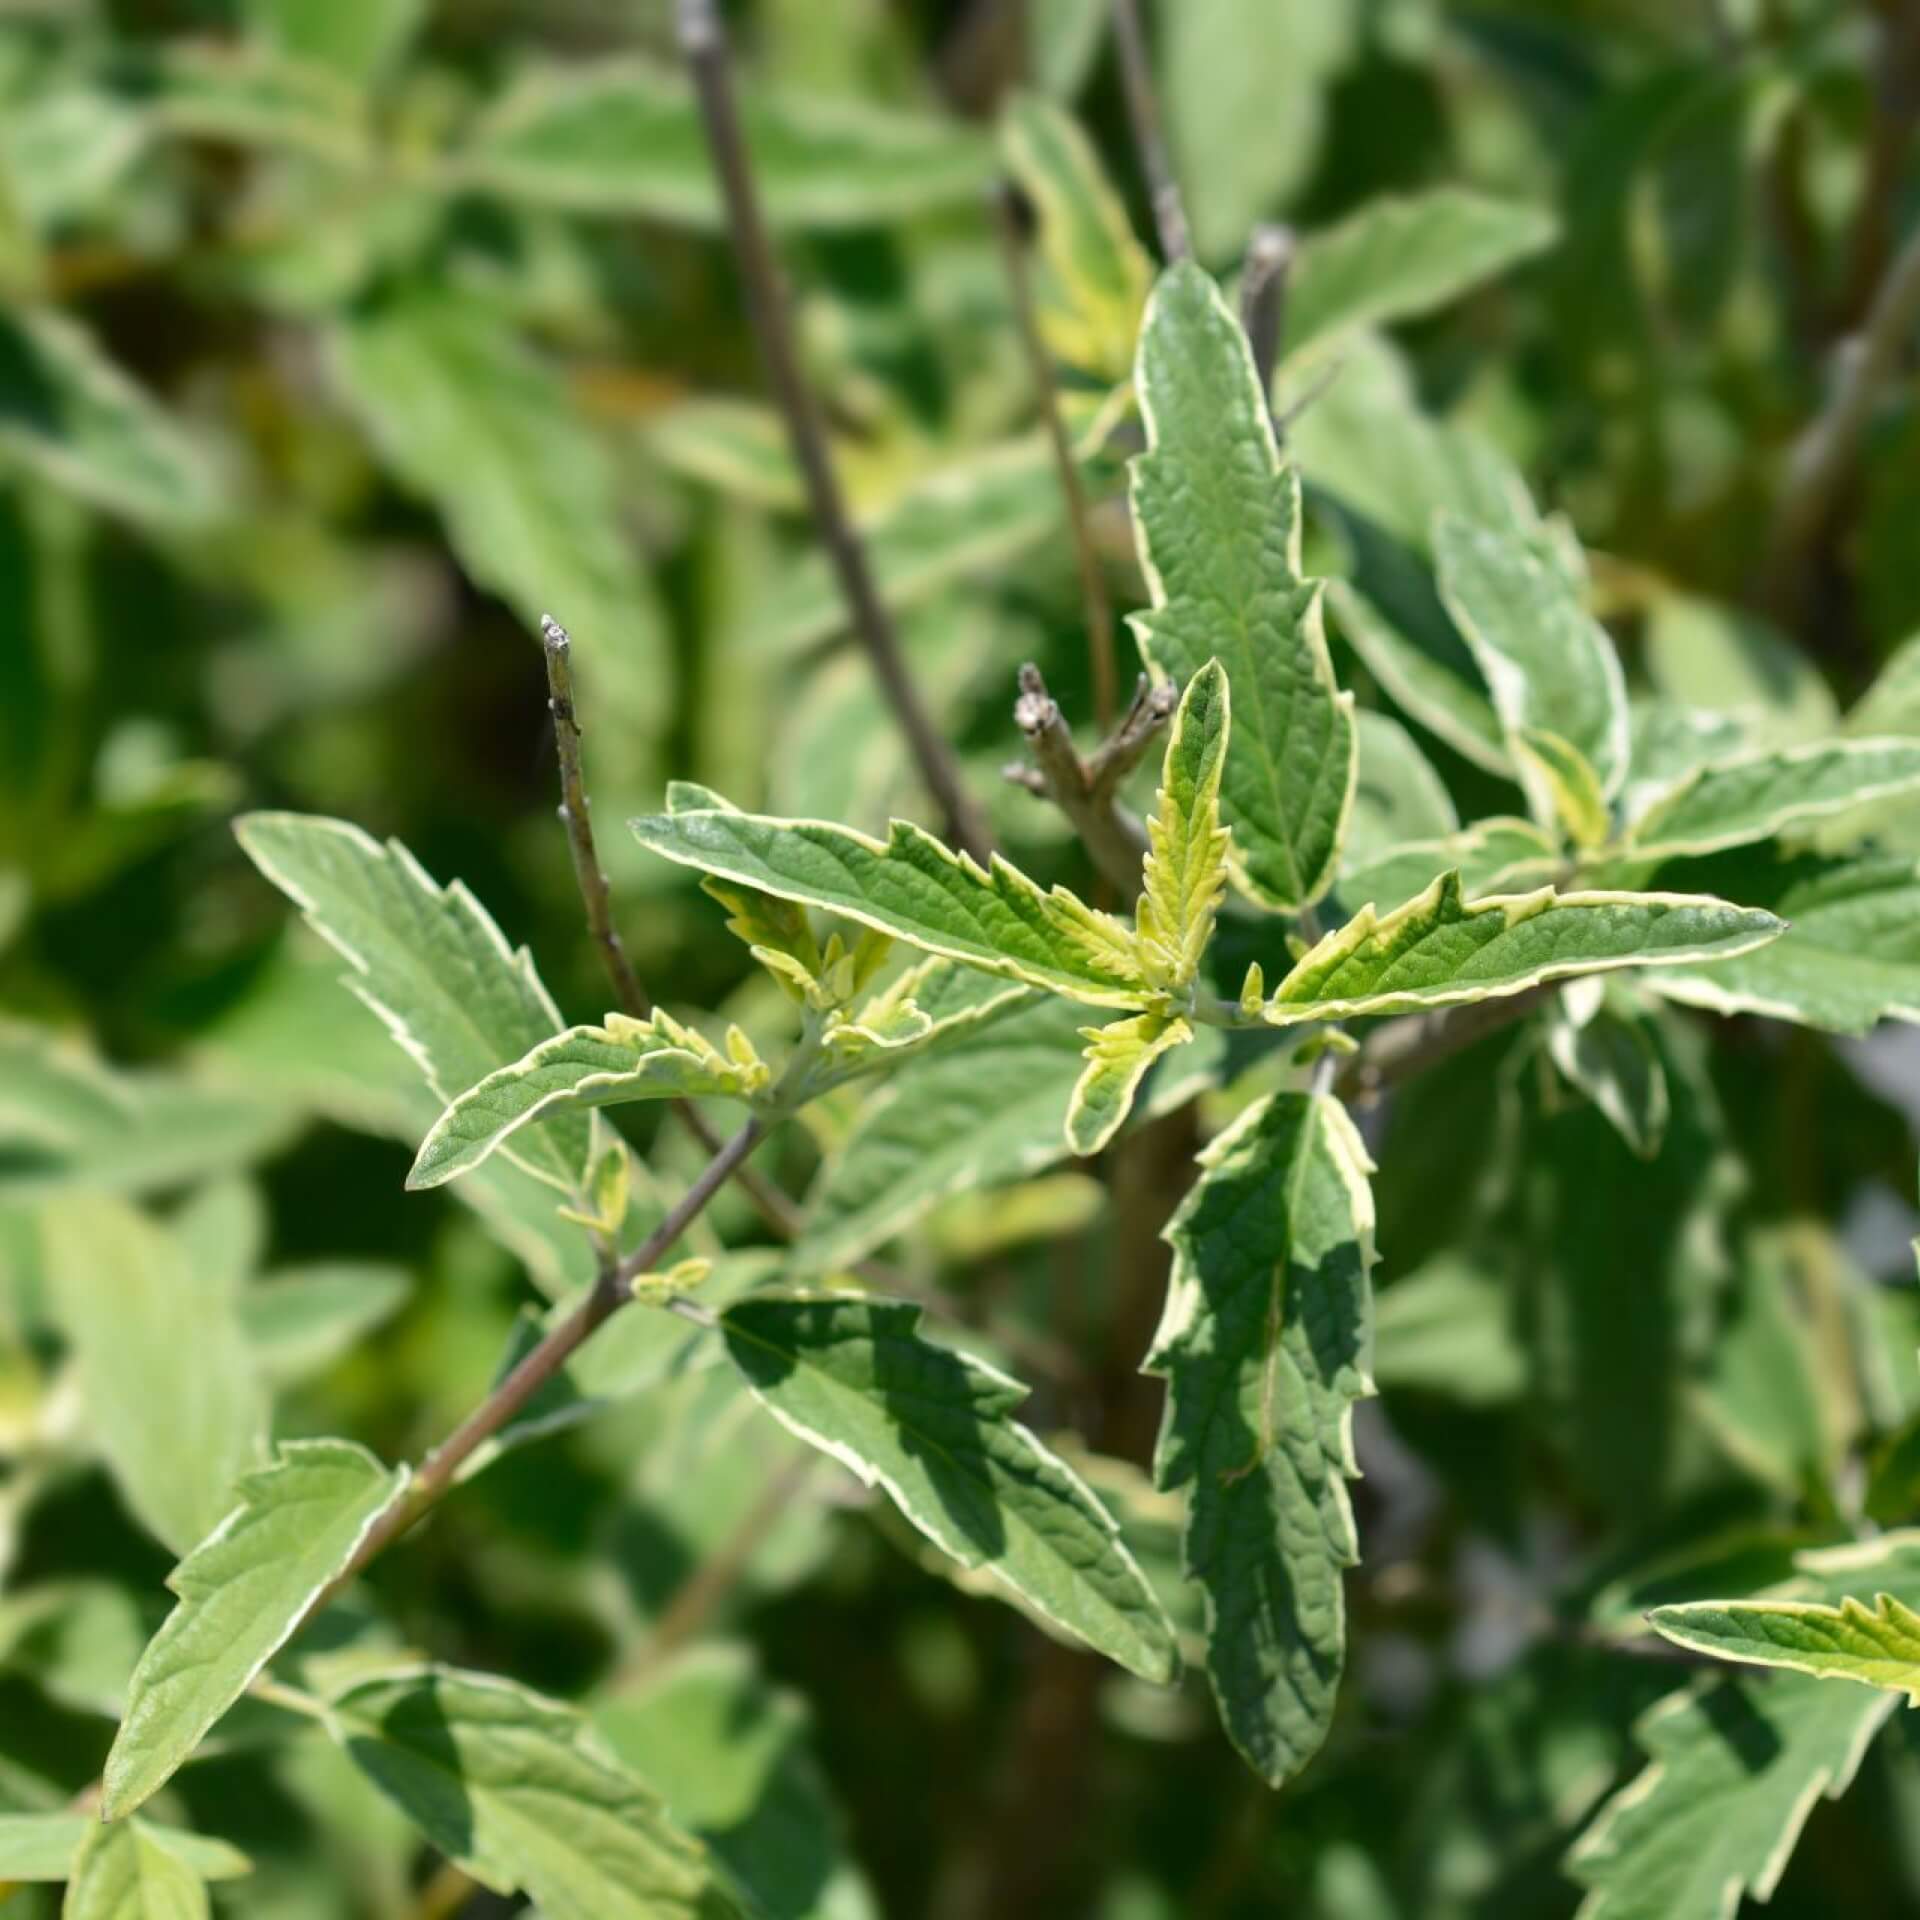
341	338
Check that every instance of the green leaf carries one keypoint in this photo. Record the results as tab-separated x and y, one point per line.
1400	256
1063	41
971	516
241	1593
175	1437
731	1755
491	436
987	1111
585	1067
934	1428
520	1793
250	96
124	1872
1218	523
43	1846
1367	438
1265	1346
1719	660
927	1010
1446	697
1850	955
303	1319
1611	1058
1736	1769
1185	874
1118	1056
916	889
1877	1645
1447	1329
1564	779
358	38
1550	664
69	415
1438	950
1092	275
1229	81
1399	800
428	960
624	138
1733	802
1492	856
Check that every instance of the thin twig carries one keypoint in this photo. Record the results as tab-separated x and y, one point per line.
610	1292
1822	458
1263	298
576	815
703	44
1896	106
1143	114
1098	604
1087	791
710	1582
1409	1047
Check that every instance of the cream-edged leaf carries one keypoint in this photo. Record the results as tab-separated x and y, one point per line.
1217	519
1731	803
1265	1346
623	137
1185	873
1850	955
1440	950
242	1591
127	1296
1551	666
1401	256
1564	778
1878	1645
427	959
521	1793
625	1060
914	888
934	1428
1735	1769
1118	1056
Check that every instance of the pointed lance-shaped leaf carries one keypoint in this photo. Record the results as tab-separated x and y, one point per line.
1730	803
1850	956
914	888
521	1793
427	959
174	1437
1736	1768
1265	1345
652	1059
935	1429
1551	666
1438	950
1118	1057
1878	1645
124	1871
242	1591
1218	523
1185	872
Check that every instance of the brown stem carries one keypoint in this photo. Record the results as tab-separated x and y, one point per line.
1263	298
709	1583
1087	791
1093	581
1143	115
612	1291
1896	105
1408	1048
576	816
703	44
1822	458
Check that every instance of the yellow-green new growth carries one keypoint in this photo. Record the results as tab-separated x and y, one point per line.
1877	1645
1185	873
